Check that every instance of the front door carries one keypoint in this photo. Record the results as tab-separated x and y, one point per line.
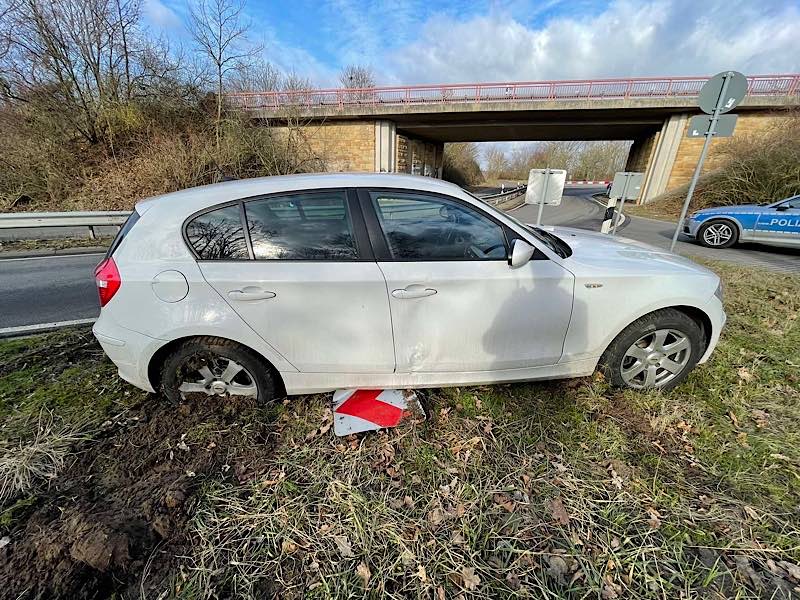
456	304
780	224
301	278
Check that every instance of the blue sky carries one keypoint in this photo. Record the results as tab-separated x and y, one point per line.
416	41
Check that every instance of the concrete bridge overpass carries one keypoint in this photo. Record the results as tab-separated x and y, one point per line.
405	128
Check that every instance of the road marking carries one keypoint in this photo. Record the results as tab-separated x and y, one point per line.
52	256
23	329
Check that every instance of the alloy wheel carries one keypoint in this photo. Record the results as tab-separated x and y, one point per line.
656	358
218	376
717	234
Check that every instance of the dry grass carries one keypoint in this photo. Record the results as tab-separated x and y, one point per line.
31	463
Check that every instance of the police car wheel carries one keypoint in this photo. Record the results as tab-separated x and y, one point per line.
717	234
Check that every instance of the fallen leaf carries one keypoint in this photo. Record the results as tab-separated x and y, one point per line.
558	568
751	512
435	517
780	457
733	418
792	569
469	579
558	511
362	570
655	518
504	501
760	417
745	375
288	547
422	574
343	544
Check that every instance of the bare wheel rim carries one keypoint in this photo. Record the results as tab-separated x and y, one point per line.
656	358
717	234
217	376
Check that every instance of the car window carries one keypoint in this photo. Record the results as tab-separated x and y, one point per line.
422	227
129	223
792	203
218	235
309	226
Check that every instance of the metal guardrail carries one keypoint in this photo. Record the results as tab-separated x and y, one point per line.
495	199
532	91
90	219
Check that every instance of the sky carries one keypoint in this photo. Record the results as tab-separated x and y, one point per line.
431	41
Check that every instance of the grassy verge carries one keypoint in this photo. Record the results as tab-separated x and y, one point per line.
660	210
57	244
554	489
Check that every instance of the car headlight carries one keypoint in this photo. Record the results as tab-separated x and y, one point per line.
718	292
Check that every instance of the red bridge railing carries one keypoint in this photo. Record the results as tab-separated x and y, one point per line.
534	91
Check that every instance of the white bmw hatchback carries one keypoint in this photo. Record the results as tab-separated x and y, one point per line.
310	283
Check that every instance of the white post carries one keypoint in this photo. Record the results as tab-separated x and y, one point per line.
544	194
618	213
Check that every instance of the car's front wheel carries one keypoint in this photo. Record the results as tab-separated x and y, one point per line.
657	350
717	234
209	366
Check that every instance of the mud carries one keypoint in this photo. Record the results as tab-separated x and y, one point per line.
115	520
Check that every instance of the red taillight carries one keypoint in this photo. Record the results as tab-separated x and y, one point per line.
106	276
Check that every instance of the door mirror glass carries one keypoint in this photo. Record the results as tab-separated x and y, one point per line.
521	253
782	207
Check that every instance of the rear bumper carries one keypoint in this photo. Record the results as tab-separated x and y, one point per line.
127	350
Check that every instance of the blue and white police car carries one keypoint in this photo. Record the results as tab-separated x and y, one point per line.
776	224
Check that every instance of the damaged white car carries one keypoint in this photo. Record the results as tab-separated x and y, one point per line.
310	283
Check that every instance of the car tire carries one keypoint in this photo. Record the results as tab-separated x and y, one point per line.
210	366
718	233
657	350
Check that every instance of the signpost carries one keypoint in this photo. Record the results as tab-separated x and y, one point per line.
626	186
545	186
720	94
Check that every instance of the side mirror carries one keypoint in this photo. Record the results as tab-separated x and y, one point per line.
782	207
521	253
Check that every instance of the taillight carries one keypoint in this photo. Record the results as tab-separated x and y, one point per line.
106	276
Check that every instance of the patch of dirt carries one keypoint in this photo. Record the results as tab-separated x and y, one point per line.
120	509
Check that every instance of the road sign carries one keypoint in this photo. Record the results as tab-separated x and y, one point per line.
700	124
355	411
720	94
626	186
712	93
545	186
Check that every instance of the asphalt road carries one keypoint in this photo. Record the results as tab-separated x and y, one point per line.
47	289
55	289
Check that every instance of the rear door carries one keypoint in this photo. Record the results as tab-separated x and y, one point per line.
303	276
456	303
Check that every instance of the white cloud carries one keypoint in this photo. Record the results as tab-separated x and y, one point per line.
160	16
661	37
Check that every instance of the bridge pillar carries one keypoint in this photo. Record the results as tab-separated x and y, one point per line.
658	168
385	147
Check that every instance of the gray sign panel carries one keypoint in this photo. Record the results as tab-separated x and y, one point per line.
699	124
710	94
628	182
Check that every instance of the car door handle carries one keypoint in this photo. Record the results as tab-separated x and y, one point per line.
413	291
251	293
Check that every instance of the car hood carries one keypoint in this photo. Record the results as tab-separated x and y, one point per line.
739	208
600	252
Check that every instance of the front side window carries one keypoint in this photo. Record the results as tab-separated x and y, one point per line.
218	235
792	202
308	226
422	227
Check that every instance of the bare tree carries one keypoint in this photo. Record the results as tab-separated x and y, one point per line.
258	76
357	76
497	164
219	29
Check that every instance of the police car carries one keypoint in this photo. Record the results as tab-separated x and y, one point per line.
776	224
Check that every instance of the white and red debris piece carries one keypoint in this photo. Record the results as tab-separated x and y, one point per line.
367	410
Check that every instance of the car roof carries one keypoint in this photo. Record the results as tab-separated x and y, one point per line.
197	198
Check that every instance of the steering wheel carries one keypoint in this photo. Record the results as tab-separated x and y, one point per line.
473	251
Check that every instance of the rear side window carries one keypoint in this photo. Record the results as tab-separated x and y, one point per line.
218	235
309	226
129	223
